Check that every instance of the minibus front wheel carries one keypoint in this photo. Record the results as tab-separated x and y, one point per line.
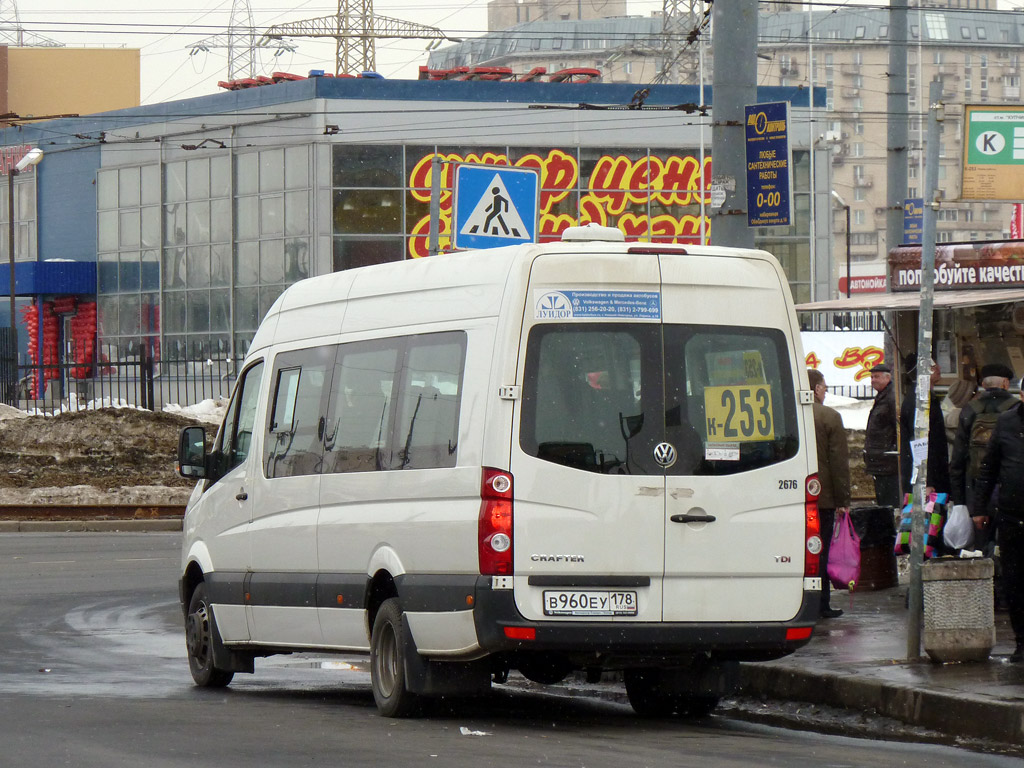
200	636
389	647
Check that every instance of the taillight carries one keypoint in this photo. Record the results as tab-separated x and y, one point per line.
812	527
494	542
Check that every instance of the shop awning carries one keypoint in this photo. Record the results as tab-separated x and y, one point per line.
912	300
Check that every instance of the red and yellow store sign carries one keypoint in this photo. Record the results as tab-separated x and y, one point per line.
644	198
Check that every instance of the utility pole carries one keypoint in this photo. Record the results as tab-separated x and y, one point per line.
897	132
735	86
915	602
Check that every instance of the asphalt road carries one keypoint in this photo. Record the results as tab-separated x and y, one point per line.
93	674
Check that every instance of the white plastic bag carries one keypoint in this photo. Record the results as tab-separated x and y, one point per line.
959	530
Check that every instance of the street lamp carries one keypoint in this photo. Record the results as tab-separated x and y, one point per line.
32	157
845	207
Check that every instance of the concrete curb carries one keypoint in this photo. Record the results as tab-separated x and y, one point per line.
955	714
89	526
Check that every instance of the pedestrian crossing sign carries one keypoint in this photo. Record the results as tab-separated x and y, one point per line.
494	205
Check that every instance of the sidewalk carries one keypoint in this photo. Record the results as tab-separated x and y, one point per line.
858	661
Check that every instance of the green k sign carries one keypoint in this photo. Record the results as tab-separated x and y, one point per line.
993	153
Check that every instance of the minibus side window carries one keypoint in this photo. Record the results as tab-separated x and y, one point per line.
236	434
296	420
428	407
359	417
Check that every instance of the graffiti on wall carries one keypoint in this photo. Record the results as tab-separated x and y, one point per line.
641	197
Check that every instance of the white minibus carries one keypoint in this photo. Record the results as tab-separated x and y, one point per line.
583	456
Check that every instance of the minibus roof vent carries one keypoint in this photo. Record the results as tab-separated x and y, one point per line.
591	232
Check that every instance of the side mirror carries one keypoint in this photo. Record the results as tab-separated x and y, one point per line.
192	452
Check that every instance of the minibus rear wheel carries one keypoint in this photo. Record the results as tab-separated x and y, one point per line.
200	635
651	694
388	648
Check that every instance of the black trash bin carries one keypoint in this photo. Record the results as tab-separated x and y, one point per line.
876	527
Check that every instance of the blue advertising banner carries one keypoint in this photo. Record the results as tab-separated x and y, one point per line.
769	165
913	220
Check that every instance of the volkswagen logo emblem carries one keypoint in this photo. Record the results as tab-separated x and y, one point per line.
665	454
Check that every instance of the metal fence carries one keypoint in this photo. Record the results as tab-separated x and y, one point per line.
141	382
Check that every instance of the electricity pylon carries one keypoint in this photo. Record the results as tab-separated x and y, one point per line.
683	21
241	42
13	34
355	29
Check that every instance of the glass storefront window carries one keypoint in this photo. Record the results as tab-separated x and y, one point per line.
198	311
150	185
129	272
198	270
296	255
106	230
247	174
198	222
220	176
106	192
271	262
220	310
247	312
174	311
296	213
267	298
271	170
296	167
368	211
129	192
151	227
150	270
174	268
129	235
129	324
247	263
247	221
271	215
220	221
352	252
198	178
106	268
358	165
220	264
174	182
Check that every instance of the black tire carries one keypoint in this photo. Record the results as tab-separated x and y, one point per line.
387	663
200	636
650	696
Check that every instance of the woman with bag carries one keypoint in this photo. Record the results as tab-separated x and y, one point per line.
834	474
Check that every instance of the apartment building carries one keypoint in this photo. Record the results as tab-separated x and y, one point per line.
971	47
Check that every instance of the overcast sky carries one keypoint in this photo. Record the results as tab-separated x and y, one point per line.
165	31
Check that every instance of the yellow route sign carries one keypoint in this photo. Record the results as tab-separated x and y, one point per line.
739	414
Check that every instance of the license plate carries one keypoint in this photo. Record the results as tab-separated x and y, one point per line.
574	602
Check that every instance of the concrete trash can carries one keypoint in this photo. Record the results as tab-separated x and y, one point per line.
876	527
959	613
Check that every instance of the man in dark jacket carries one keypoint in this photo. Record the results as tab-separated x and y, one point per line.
937	478
881	456
834	475
994	397
1003	466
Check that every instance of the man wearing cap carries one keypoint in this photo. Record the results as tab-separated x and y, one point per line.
881	455
1003	467
994	398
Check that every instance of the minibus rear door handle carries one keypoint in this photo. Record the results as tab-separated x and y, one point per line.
241	495
693	518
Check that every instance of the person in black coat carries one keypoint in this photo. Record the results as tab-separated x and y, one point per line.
937	477
1003	466
881	451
